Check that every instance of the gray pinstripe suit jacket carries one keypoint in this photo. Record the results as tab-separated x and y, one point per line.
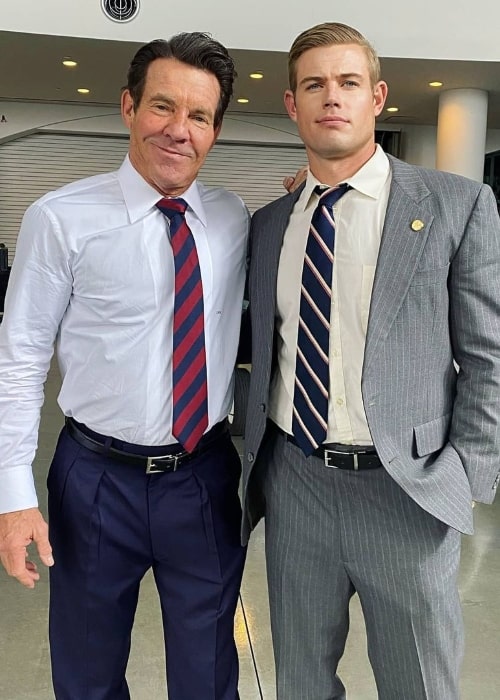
436	299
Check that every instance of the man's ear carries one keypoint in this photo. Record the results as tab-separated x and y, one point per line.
379	96
127	108
290	105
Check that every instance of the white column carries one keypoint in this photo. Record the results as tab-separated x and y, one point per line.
461	132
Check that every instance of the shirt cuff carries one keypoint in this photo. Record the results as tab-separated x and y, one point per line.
17	489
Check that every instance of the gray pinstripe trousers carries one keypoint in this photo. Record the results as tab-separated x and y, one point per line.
333	533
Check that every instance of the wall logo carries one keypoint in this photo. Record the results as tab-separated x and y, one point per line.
120	10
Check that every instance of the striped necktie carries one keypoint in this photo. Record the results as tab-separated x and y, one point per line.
310	400
189	368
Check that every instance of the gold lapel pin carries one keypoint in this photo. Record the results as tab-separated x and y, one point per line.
417	225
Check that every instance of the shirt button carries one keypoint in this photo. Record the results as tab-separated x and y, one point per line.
340	402
250	457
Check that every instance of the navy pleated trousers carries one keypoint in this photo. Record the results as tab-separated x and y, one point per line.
109	523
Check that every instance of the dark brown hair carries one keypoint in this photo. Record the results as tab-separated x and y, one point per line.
197	49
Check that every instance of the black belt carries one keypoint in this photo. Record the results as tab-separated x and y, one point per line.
172	458
338	456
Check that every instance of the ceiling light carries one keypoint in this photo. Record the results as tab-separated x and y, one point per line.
257	75
243	100
69	63
436	83
83	91
393	109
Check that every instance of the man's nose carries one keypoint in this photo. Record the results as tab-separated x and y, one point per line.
177	126
332	95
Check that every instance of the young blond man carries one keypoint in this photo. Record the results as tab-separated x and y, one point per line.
367	478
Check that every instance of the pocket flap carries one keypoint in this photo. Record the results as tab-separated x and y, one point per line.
432	436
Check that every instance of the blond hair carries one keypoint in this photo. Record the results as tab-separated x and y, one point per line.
328	34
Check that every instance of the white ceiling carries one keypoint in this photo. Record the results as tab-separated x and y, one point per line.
31	69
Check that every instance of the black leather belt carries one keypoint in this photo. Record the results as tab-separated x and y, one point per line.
338	456
168	459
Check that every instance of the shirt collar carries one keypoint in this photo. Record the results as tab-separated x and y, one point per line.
370	179
140	197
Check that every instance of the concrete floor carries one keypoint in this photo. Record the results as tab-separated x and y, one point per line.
24	656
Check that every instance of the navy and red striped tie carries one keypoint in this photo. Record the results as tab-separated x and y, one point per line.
311	393
189	367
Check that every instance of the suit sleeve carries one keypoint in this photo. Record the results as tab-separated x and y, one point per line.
475	335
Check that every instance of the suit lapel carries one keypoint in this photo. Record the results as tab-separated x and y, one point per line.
267	255
401	246
407	224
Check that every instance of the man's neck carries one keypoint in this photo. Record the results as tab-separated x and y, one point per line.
332	171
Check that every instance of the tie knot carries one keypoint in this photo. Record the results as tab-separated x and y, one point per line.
169	207
330	195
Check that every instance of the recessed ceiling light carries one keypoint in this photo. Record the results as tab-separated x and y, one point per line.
83	91
436	83
257	75
243	100
69	63
393	109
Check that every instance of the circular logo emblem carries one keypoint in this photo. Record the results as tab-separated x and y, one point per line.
120	10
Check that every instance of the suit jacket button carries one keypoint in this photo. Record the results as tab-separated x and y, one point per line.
250	457
262	407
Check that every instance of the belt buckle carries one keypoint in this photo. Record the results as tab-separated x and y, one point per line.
326	458
151	466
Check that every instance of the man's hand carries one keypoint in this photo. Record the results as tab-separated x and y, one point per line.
17	531
291	183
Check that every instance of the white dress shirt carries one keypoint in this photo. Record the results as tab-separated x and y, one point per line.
94	271
359	219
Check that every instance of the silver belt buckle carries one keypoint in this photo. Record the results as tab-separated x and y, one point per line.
151	466
327	457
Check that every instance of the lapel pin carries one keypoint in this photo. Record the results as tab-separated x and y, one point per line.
417	225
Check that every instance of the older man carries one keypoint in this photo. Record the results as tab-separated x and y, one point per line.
145	475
